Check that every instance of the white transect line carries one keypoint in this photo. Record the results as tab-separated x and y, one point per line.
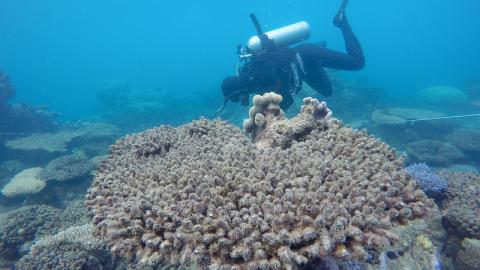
433	118
394	122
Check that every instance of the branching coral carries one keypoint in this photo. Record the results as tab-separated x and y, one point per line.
24	224
73	248
431	183
218	200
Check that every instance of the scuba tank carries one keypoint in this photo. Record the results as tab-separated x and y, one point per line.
264	42
280	37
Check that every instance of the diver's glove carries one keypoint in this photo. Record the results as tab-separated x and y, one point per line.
340	20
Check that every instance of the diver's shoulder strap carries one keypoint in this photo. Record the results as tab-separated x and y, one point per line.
298	73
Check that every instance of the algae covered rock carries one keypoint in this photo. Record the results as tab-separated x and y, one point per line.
205	194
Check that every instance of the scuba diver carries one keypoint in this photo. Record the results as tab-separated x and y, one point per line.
270	65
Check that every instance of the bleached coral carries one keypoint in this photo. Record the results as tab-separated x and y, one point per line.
215	198
26	182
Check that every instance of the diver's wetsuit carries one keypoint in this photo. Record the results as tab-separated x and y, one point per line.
272	70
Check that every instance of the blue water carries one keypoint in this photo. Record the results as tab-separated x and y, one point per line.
57	52
140	64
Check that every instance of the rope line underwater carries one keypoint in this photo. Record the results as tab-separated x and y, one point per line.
382	123
431	119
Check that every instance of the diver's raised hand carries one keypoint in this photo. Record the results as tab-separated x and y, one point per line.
340	19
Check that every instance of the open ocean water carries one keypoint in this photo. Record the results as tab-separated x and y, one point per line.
114	153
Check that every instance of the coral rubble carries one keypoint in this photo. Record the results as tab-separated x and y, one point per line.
204	194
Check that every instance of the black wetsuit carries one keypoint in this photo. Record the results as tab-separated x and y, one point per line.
281	71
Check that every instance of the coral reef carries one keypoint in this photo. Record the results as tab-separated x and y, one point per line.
432	184
73	248
66	168
468	257
40	147
25	118
270	128
10	167
21	118
399	115
433	152
25	224
351	100
75	213
26	182
418	246
442	96
49	142
467	140
7	91
395	126
123	105
461	207
205	194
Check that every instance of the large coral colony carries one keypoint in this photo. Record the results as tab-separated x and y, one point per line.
294	191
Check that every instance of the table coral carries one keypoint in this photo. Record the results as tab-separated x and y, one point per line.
66	168
206	194
26	182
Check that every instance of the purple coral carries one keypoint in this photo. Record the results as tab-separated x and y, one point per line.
432	184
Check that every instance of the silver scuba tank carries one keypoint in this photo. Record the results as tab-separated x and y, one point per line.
283	36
